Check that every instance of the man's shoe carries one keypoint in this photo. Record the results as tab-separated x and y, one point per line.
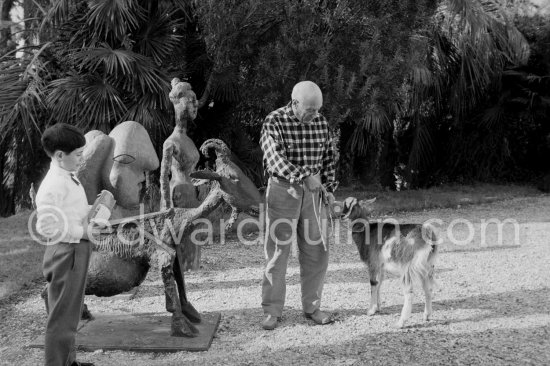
320	318
270	322
77	363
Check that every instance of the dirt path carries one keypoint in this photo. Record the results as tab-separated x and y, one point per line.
491	305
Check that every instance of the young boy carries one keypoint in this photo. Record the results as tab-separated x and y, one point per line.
62	210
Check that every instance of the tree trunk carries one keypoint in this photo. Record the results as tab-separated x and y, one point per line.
387	160
6	43
345	164
6	197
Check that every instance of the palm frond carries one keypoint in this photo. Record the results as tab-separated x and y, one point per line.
103	106
157	39
59	11
119	17
375	121
89	102
421	75
115	62
493	116
126	68
225	87
472	44
358	142
422	151
21	96
64	98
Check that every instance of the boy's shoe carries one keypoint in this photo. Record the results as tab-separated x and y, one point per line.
76	363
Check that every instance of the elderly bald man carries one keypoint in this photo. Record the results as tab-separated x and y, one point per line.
299	158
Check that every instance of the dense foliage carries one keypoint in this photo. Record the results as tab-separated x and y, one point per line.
417	92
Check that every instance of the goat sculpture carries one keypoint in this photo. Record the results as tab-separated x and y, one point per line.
407	250
159	246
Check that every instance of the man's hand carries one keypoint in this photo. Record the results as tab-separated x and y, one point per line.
313	183
330	198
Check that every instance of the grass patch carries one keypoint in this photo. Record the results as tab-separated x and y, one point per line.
389	202
20	256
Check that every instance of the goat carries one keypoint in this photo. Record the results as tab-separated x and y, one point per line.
407	250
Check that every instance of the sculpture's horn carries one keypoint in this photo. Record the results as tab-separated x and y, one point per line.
206	174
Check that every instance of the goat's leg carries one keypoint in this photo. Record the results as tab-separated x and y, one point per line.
378	288
376	278
407	305
181	326
234	216
427	285
186	307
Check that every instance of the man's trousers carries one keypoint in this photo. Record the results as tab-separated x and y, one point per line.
65	267
294	213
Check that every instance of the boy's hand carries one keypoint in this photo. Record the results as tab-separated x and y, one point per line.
91	229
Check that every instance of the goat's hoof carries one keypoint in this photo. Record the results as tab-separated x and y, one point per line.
400	324
372	311
427	317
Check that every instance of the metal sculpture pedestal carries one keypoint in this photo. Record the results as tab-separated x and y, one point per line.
147	332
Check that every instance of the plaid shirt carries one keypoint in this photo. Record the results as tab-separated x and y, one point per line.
295	150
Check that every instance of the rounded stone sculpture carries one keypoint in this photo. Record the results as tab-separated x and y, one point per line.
117	162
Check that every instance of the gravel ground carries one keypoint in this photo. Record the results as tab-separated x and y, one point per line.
491	304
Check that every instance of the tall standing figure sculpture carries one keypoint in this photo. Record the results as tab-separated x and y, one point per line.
179	158
179	153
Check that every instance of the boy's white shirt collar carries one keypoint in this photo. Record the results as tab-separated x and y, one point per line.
55	165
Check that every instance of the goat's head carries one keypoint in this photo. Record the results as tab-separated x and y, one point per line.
355	209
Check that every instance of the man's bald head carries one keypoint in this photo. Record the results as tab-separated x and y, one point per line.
307	91
307	99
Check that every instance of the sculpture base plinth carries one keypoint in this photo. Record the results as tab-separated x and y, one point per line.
148	332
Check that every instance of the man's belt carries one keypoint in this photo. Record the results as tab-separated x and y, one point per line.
279	179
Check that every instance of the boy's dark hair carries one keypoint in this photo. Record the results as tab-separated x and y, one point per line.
62	136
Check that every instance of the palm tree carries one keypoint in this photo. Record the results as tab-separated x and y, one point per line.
457	62
93	65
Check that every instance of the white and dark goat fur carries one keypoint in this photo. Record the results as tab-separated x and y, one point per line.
406	250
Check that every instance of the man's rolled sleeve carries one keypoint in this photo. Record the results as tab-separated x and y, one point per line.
329	166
